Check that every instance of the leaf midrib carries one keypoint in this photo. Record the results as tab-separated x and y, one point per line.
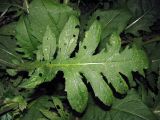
33	65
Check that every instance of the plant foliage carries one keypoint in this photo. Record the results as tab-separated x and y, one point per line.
51	61
91	66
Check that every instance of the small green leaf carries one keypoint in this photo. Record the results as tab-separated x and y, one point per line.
39	76
61	110
50	115
6	116
16	101
21	102
49	44
34	108
11	72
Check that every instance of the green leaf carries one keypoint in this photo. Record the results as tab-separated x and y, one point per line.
62	114
33	112
50	115
111	20
24	38
49	44
7	52
6	116
130	108
61	110
21	102
8	29
7	6
40	109
145	13
31	27
153	50
108	63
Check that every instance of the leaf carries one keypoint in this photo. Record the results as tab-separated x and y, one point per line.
38	76
112	21
145	13
31	27
16	101
108	63
62	114
50	115
41	109
24	38
8	29
59	106
7	52
21	102
130	108
7	6
6	116
152	51
49	44
33	112
17	104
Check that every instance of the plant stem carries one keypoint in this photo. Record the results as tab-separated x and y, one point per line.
66	2
155	39
26	5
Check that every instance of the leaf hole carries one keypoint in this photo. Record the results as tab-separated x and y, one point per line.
77	26
12	37
53	110
40	74
98	18
74	35
57	106
84	47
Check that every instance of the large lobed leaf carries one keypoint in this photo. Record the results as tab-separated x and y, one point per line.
31	27
108	63
129	108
